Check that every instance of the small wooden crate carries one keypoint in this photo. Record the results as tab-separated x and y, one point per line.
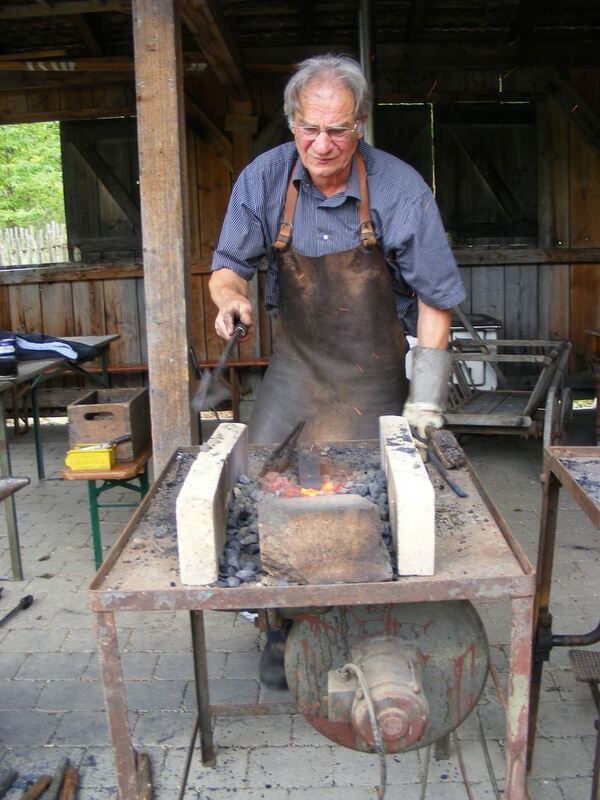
104	414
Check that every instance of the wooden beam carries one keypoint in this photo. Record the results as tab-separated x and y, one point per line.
88	36
522	23
206	129
66	8
416	16
204	21
572	105
474	55
30	82
165	227
99	64
555	258
33	54
440	56
75	271
491	177
56	115
271	134
522	256
111	182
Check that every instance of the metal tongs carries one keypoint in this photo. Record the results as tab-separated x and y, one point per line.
212	376
452	454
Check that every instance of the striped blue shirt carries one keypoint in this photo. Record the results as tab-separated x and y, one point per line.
407	222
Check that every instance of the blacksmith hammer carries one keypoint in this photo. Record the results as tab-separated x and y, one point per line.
24	602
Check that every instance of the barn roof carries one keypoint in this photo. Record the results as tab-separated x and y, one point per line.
258	36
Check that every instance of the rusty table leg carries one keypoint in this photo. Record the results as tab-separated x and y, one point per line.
207	747
518	698
542	619
116	706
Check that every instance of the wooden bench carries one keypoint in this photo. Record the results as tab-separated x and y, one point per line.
124	475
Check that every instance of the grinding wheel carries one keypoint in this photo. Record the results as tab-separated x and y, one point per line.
450	646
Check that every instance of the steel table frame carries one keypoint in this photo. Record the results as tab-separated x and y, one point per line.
114	590
556	475
34	372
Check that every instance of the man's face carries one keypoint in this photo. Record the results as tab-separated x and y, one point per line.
324	104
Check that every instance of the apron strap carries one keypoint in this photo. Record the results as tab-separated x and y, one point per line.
365	223
284	236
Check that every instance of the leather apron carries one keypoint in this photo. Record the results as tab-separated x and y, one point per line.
338	355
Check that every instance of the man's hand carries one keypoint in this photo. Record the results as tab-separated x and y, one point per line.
420	415
229	292
233	311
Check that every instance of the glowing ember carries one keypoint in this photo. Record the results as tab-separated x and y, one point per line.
285	486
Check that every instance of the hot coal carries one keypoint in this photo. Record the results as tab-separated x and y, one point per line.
240	561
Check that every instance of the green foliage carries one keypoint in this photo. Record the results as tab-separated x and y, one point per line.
31	187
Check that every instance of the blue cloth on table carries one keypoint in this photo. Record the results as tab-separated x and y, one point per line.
35	346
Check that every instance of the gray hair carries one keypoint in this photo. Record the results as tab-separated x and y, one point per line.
343	69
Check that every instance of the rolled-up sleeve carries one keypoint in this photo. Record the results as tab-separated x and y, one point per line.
424	258
242	242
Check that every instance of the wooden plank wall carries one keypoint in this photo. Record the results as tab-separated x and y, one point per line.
530	300
584	216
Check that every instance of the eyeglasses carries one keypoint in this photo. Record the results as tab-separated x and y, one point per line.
338	133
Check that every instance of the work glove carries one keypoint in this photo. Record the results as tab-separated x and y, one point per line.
429	387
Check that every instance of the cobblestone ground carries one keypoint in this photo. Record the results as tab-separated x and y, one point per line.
51	697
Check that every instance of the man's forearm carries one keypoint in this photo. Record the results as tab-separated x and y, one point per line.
225	284
433	327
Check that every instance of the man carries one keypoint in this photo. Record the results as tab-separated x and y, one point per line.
343	304
354	241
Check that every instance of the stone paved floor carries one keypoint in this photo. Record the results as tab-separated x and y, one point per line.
51	701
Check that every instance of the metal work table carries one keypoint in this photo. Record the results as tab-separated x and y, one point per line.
32	374
477	558
576	469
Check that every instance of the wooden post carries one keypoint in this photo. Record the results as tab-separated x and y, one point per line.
165	234
243	127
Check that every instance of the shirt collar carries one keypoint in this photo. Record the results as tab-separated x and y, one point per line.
301	175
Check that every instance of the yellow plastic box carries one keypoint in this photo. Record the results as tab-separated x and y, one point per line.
79	459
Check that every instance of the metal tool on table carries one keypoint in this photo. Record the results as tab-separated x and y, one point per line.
105	445
211	377
24	602
279	459
445	453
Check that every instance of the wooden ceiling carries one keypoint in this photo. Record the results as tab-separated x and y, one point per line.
236	37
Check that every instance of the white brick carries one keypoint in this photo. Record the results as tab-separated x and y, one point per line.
203	499
411	498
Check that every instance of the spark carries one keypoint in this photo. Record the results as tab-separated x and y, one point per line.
575	107
358	366
375	355
343	308
300	276
430	92
510	72
358	411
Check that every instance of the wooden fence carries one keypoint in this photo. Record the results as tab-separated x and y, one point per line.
33	245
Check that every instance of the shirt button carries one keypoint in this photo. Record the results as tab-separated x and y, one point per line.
325	236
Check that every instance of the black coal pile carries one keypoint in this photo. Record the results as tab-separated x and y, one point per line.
240	560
